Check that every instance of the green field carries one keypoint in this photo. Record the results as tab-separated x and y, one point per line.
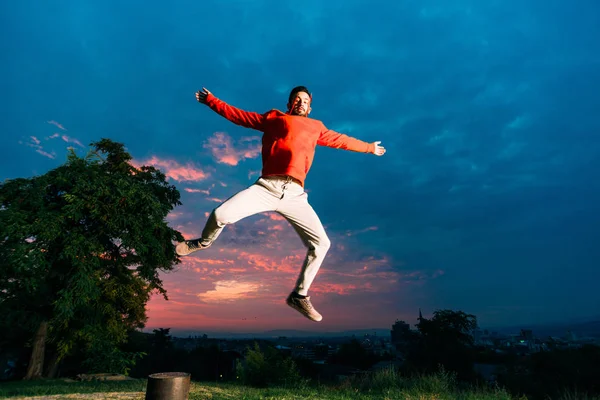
385	385
136	390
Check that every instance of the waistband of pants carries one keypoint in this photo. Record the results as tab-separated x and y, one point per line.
287	178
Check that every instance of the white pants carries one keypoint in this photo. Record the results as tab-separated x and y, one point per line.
289	199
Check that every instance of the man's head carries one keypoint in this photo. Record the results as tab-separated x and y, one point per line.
299	101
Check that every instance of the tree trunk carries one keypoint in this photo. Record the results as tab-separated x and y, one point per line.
168	385
52	368
36	363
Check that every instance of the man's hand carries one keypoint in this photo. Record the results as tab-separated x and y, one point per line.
379	150
201	95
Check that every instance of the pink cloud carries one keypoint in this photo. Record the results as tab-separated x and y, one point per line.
340	289
34	142
174	215
71	140
46	154
225	152
66	138
57	125
173	169
276	217
190	190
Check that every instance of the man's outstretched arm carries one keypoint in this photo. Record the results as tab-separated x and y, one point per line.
338	140
243	118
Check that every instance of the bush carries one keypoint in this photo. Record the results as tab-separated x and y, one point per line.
105	357
268	368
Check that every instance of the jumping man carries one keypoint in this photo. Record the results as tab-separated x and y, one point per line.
288	147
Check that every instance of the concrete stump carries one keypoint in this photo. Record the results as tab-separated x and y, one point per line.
168	386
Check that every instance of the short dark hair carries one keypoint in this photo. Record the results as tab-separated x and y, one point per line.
297	90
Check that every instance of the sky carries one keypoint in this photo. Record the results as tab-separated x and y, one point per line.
486	200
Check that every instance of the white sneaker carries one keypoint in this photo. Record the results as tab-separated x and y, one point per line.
304	307
189	246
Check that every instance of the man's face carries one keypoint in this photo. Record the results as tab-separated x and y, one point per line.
300	105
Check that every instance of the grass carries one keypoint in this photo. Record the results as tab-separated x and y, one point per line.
217	391
385	385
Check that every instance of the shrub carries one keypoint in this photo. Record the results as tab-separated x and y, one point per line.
268	368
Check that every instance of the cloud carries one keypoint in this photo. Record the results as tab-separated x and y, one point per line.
276	217
354	233
34	142
229	291
67	139
58	125
225	152
46	154
174	170
190	190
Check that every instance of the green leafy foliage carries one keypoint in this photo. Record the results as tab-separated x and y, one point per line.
82	246
444	340
267	368
355	355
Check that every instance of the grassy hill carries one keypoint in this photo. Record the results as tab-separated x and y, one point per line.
385	385
136	390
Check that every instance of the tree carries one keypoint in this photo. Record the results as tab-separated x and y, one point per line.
353	354
268	367
446	340
81	248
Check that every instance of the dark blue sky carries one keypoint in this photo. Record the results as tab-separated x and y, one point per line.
486	201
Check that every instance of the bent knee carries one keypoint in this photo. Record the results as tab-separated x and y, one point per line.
221	215
322	244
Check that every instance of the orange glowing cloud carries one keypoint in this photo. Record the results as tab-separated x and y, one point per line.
228	291
173	169
223	150
276	217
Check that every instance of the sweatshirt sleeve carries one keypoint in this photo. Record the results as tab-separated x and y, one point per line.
243	118
337	140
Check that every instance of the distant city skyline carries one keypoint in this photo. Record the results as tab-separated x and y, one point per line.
486	201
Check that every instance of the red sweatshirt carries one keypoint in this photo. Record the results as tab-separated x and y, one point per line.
289	141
